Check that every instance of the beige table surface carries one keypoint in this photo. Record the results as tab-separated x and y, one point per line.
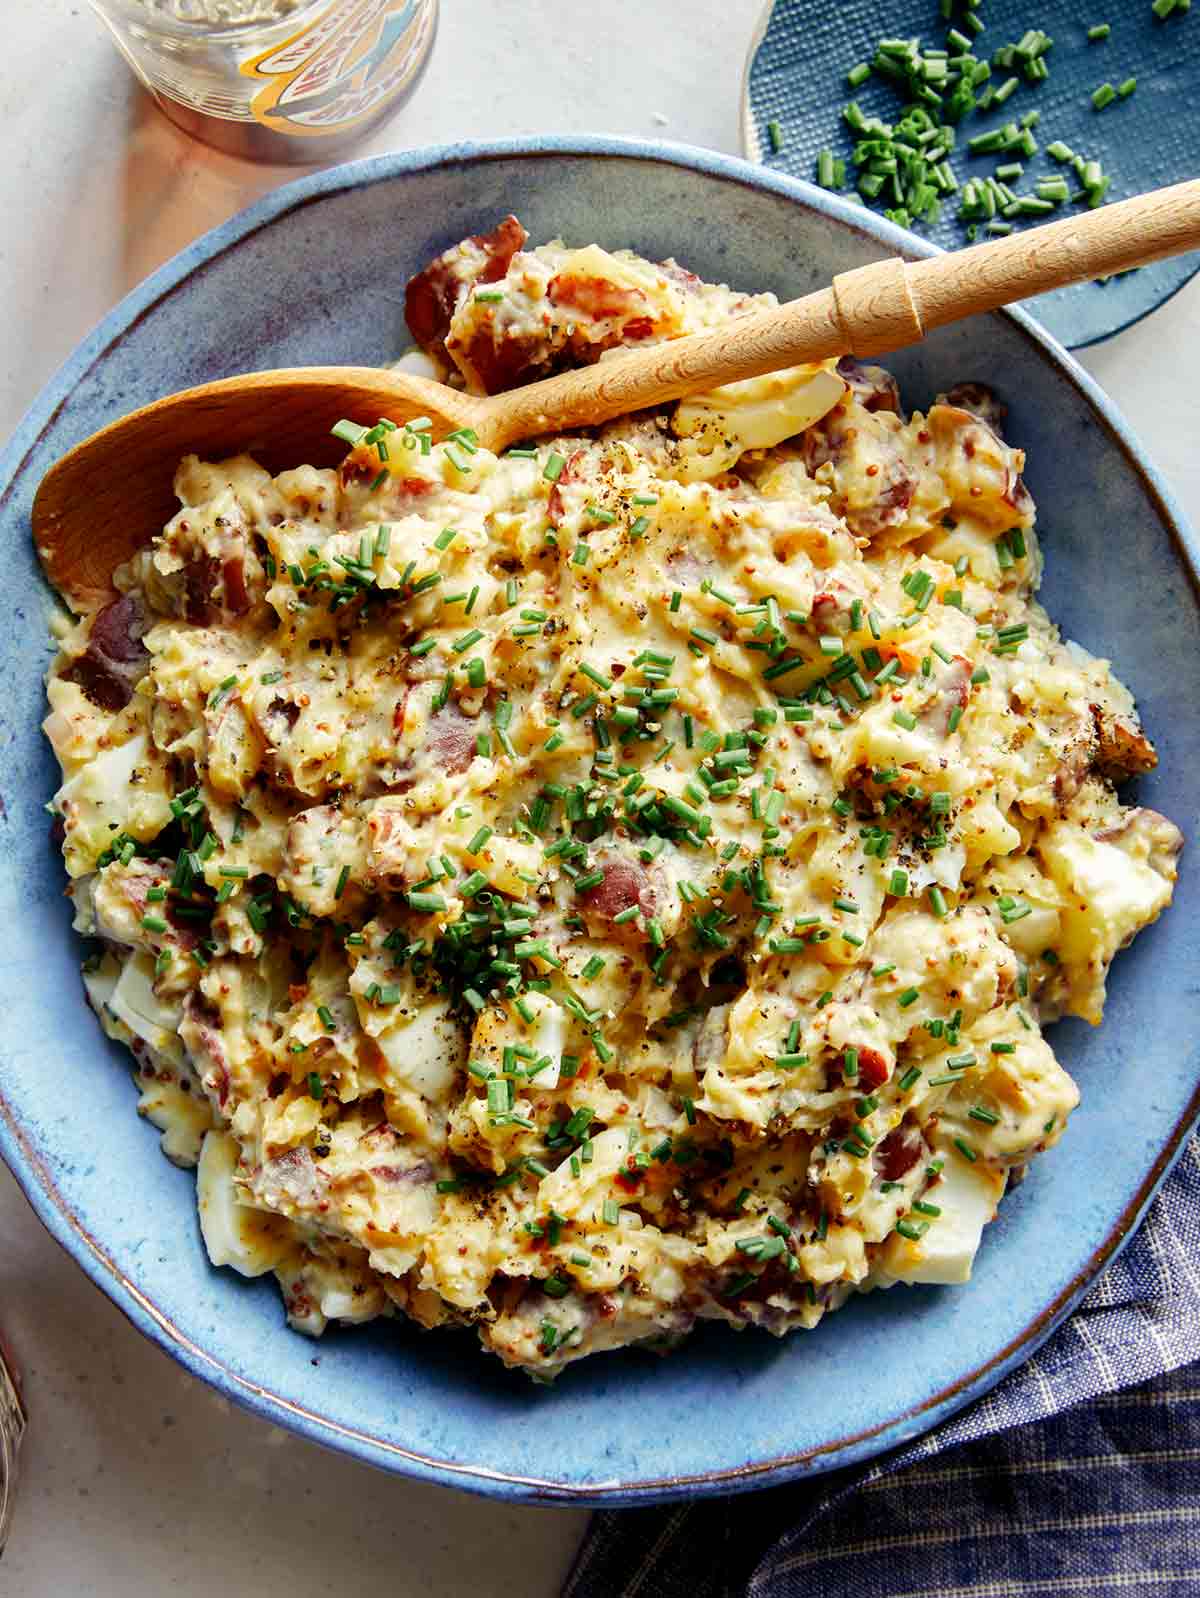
138	1480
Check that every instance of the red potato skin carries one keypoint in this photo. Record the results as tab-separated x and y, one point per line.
506	365
595	297
625	884
832	438
214	589
433	294
580	308
115	657
872	387
204	1019
954	692
981	402
450	740
233	575
1122	748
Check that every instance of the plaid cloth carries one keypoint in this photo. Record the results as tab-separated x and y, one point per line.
1102	1497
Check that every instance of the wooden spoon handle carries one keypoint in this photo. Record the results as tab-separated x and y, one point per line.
881	307
1113	238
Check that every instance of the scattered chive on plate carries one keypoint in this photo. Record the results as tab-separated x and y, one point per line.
962	121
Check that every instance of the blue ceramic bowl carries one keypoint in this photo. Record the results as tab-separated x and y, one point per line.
315	273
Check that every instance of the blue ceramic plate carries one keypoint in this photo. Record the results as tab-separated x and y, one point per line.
315	273
796	78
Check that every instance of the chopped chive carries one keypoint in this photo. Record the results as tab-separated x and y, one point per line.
349	432
598	677
914	1230
428	902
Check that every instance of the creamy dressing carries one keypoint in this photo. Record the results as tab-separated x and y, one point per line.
613	884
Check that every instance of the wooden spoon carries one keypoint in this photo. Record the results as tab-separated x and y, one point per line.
111	494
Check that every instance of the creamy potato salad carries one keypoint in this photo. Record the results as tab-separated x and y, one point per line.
616	884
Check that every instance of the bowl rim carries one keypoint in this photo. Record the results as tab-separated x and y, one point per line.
37	1181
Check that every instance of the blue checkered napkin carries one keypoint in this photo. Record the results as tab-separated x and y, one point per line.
1101	1497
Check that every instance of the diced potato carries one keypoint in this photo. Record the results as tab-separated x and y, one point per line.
252	1241
967	1196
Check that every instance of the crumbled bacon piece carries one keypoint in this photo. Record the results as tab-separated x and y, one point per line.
872	1069
571	473
900	1150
